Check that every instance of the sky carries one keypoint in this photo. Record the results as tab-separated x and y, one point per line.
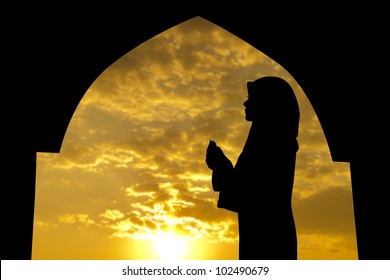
131	182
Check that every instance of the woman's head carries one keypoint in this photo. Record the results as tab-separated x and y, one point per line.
272	101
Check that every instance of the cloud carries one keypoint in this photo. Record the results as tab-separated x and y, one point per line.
325	225
72	218
327	212
327	247
112	214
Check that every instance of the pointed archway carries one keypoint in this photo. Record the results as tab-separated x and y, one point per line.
140	116
338	95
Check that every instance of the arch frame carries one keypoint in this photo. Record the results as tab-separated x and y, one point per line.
86	49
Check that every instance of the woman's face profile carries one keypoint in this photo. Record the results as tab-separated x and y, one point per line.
250	111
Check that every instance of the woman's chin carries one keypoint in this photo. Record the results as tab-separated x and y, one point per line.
248	118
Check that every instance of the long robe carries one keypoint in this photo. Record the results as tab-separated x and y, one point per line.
259	188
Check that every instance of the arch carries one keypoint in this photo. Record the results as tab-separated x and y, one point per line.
269	42
135	93
337	94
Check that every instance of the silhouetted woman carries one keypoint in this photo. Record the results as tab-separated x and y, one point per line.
259	187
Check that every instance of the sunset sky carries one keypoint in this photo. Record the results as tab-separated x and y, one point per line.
131	182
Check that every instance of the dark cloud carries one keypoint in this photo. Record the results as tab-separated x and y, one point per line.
315	166
73	153
146	187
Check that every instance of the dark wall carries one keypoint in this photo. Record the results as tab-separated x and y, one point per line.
48	61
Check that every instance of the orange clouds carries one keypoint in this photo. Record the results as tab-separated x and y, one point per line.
132	161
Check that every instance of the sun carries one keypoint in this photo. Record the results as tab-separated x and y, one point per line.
170	246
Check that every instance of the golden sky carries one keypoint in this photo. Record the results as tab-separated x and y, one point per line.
130	181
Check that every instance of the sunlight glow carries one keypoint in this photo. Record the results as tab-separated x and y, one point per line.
170	246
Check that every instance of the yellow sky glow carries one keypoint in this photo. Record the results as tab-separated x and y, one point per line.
131	182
